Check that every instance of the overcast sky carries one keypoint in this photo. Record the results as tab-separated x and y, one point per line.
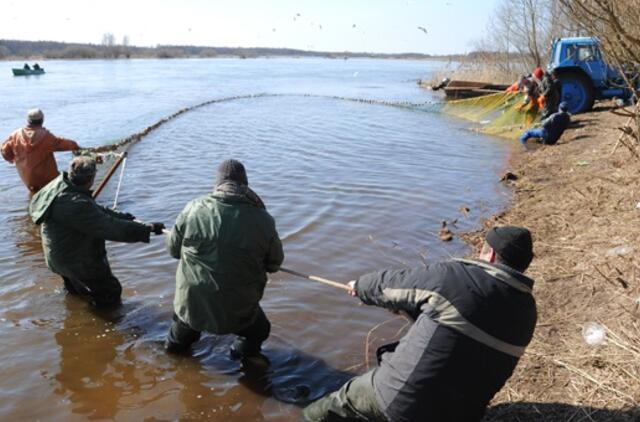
385	26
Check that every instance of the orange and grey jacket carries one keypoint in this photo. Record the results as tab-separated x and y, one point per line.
31	150
473	321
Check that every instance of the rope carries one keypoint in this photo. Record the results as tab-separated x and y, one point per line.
115	200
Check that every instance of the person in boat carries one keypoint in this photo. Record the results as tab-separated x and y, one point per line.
74	229
36	66
472	321
31	150
551	128
550	92
26	66
226	242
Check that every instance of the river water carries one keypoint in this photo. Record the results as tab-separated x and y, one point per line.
354	187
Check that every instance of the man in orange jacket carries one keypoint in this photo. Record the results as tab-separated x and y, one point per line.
31	149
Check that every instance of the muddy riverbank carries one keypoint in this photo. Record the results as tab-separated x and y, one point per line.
580	199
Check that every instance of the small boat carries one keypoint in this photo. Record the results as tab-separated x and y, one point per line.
27	72
467	89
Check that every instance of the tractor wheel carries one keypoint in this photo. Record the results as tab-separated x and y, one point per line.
576	91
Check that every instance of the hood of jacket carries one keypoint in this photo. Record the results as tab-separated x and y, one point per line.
41	202
504	273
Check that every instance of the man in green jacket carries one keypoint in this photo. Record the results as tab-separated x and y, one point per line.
226	242
74	230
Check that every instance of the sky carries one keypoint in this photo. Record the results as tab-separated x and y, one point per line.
381	26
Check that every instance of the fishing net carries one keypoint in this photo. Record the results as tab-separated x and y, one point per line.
111	155
500	114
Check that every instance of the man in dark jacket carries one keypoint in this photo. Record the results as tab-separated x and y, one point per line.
472	323
226	242
551	128
550	90
74	230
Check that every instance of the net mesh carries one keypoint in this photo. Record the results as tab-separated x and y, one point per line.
500	114
108	154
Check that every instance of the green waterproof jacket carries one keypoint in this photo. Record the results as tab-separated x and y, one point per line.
75	227
226	244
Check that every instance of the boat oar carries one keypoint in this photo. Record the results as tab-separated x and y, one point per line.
316	278
302	275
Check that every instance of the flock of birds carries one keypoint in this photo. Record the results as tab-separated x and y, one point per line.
299	16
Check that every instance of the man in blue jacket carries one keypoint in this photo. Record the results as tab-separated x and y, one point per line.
551	128
472	323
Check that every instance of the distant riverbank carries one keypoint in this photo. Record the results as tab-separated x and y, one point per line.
41	50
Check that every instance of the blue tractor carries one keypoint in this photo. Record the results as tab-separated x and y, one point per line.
584	75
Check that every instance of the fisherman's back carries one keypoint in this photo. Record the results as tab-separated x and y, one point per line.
225	244
74	229
447	367
31	150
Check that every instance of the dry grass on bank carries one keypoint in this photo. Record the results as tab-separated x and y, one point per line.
580	199
475	71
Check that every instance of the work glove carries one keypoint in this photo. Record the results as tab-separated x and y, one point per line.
156	228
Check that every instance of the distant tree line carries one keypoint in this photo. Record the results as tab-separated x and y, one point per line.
110	48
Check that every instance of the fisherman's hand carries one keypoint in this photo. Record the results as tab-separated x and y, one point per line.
352	288
156	228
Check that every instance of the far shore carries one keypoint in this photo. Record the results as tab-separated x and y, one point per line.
17	50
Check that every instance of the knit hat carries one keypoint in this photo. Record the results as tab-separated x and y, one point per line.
538	73
513	244
81	170
563	106
231	171
35	115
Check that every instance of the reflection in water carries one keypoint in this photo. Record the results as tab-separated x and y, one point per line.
275	386
90	376
25	234
111	364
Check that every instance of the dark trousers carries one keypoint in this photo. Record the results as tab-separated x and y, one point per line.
103	292
181	336
354	401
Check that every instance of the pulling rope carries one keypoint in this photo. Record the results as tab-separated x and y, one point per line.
302	275
316	278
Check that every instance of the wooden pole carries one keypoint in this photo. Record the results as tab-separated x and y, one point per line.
106	178
318	279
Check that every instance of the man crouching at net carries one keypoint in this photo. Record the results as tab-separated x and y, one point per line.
472	322
74	230
226	242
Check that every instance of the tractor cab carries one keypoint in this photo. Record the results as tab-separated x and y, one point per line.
583	73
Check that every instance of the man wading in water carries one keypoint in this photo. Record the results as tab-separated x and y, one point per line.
31	149
472	323
226	242
74	228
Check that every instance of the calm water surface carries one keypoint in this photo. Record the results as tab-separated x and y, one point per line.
353	187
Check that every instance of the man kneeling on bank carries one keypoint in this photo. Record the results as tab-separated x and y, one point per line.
74	230
472	323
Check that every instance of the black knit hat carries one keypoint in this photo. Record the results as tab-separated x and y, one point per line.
231	171
513	244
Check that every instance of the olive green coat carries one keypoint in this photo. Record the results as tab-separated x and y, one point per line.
75	227
225	244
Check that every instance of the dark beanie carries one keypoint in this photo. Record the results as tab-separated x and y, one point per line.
231	171
513	244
